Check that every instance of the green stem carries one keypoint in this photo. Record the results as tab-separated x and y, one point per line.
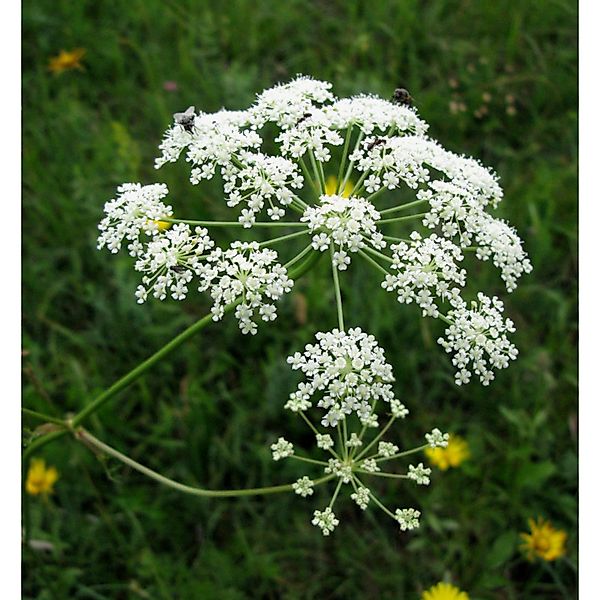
401	207
90	440
405	453
236	223
42	416
374	498
378	254
276	240
308	176
338	293
398	219
335	494
375	194
376	439
361	135
344	157
373	262
313	162
308	460
138	371
382	474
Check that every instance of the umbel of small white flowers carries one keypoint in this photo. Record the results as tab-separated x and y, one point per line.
380	155
348	374
380	146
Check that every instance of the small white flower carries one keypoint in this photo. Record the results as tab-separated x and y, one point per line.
170	261
348	224
341	470
399	411
325	520
408	518
354	441
370	465
426	272
246	272
347	371
282	449
135	209
437	439
304	487
324	441
420	474
477	339
361	497
387	449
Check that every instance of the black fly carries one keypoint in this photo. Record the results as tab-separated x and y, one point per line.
186	119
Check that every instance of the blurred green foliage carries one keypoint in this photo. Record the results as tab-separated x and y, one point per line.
496	80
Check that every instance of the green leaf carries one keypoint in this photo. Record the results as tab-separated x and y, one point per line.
502	549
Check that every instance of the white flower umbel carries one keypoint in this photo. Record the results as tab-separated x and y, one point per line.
437	439
497	240
247	272
170	261
282	449
347	370
420	474
287	103
347	223
343	370
325	520
304	487
261	180
408	518
361	497
426	272
135	209
477	339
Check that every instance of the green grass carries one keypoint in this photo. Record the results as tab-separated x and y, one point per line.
208	415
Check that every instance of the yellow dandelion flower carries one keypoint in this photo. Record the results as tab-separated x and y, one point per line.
331	186
444	591
66	60
453	455
39	478
543	541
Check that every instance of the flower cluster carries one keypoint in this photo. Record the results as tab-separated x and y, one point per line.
136	209
247	273
170	261
324	143
477	339
261	179
347	223
347	370
426	271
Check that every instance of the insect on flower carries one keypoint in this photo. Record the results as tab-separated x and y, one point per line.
186	119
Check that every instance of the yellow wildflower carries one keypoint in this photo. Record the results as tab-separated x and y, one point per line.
453	455
66	60
39	478
444	591
543	541
331	186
